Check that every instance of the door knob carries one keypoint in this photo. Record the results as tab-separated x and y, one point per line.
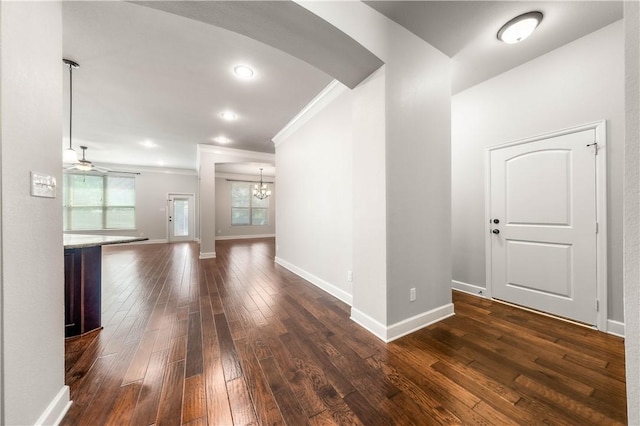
496	231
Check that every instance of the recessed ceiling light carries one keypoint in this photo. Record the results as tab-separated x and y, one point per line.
520	27
222	139
149	144
243	71
228	115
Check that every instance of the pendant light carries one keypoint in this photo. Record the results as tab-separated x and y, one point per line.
261	191
69	155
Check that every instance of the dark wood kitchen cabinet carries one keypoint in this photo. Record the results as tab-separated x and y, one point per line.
82	290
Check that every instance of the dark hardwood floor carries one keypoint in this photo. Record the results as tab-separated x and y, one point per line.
239	340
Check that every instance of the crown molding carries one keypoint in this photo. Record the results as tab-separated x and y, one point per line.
317	104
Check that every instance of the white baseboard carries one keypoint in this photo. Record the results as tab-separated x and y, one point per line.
244	237
57	408
207	255
615	327
318	282
469	288
404	327
373	326
415	323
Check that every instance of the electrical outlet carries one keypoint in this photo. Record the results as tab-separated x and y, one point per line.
350	276
412	294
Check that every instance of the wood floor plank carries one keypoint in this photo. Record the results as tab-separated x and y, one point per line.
138	366
170	412
240	340
146	409
124	404
242	409
194	404
194	345
266	408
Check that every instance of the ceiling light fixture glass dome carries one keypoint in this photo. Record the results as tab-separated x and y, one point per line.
228	115
243	71
520	27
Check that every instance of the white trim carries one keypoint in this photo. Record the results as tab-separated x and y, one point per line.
318	282
371	325
615	327
415	323
601	216
404	327
472	289
244	237
249	178
600	128
232	155
57	408
209	255
317	104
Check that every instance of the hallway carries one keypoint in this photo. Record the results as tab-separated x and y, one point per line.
240	340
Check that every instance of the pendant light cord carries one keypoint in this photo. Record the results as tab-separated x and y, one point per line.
70	104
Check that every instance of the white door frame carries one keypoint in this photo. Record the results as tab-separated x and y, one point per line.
169	212
600	128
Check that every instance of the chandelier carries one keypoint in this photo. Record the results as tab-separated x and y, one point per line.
261	191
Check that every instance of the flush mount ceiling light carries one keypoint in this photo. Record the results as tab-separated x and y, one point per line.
520	27
69	155
242	71
221	139
228	115
149	144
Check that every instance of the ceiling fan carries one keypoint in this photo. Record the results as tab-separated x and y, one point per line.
85	165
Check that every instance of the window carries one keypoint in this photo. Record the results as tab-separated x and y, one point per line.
247	209
94	202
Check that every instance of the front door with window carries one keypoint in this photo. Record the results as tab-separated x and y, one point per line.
180	217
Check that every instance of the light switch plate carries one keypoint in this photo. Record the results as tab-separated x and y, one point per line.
43	185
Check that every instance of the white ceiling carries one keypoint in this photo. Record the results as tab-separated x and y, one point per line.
467	30
148	74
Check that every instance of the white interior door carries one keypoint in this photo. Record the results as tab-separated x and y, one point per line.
181	217
544	225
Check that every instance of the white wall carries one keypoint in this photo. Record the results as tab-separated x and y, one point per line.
370	200
314	202
418	176
578	83
224	229
416	152
152	188
31	72
631	209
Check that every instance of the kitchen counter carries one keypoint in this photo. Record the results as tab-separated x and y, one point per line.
87	240
83	280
